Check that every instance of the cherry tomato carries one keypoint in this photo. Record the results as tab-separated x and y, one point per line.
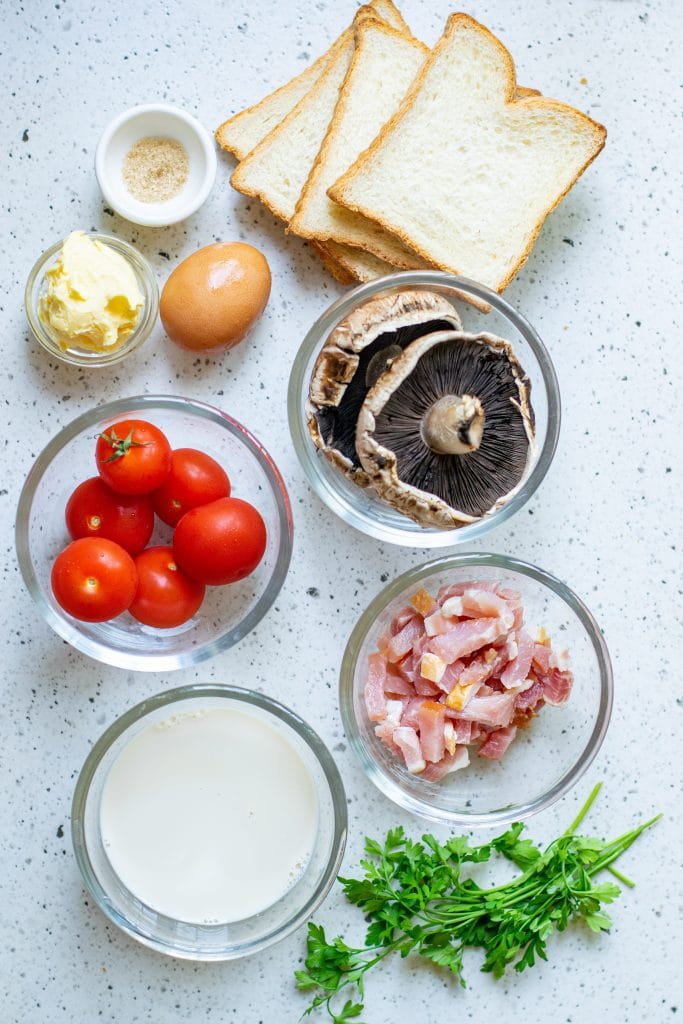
94	510
133	457
94	579
220	542
166	596
195	479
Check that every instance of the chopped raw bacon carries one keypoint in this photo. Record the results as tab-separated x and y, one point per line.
402	619
530	697
467	636
518	669
375	701
409	716
497	743
401	643
430	721
477	602
557	686
460	758
459	672
396	684
541	657
492	711
437	624
426	688
407	740
458	589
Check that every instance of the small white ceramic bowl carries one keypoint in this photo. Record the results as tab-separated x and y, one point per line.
155	119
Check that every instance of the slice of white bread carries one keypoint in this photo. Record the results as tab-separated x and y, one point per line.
242	132
464	173
276	170
331	263
383	66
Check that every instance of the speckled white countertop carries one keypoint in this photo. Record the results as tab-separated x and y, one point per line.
602	287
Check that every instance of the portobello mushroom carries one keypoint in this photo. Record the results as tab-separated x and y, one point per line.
356	354
446	434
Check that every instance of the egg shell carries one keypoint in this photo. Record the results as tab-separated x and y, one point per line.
215	296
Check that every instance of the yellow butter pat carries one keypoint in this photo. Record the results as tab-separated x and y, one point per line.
93	300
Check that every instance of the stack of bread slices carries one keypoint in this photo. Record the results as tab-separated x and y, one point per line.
387	155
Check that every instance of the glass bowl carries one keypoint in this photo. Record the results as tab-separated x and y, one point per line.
546	759
361	507
36	286
228	613
215	941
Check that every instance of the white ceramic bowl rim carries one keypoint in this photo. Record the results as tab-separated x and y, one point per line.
308	455
68	630
506	815
171	697
156	216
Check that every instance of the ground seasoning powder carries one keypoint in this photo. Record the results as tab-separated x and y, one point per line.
155	169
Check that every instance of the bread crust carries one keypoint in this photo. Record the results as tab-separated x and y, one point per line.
332	265
337	191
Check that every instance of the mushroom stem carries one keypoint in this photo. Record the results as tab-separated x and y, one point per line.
454	425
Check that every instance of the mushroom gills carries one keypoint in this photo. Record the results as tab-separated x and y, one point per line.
337	423
446	433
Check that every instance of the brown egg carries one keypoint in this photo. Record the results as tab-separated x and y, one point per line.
215	296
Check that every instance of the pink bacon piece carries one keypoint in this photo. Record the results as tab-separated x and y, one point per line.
450	763
494	710
458	589
407	740
402	642
497	743
396	684
475	603
541	657
557	686
375	700
410	712
516	672
466	637
402	619
430	720
529	698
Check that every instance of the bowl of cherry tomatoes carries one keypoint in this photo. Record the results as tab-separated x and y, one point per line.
154	532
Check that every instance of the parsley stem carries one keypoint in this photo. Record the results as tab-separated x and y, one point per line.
585	809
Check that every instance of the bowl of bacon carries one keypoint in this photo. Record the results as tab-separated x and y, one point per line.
476	690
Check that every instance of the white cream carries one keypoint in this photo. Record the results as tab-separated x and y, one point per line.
210	816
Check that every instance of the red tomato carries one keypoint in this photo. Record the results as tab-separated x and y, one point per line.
166	596
195	479
94	579
133	457
221	542
94	510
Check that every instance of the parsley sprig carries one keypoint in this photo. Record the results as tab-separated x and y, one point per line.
417	899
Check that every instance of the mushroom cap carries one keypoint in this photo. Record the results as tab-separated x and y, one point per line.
444	490
354	356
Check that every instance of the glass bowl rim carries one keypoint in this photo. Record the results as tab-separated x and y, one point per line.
162	662
143	329
168	698
502	816
307	455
